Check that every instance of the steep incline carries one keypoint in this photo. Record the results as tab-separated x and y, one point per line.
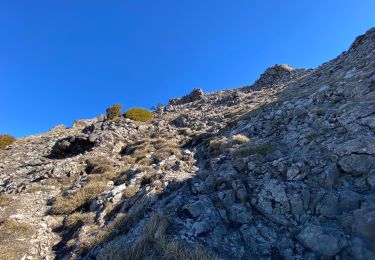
284	168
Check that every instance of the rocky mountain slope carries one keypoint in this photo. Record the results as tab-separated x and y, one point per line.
281	169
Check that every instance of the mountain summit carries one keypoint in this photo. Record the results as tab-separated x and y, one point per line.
281	169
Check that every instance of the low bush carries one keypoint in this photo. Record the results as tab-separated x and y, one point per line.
6	140
114	111
139	114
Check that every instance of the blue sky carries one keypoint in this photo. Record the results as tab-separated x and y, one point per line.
65	60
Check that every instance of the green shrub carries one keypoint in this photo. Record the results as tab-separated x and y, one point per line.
139	114
114	111
6	140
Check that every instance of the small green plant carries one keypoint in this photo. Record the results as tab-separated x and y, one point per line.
114	111
6	140
139	114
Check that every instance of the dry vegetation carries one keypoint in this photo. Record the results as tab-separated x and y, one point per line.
114	111
13	227
154	244
68	204
11	231
6	140
158	150
240	139
78	218
4	199
13	250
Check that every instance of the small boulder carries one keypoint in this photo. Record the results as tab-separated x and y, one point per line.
239	213
357	164
364	222
321	241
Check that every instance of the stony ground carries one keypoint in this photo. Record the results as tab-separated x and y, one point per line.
281	169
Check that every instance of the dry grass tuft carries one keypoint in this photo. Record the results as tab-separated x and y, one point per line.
10	250
15	228
69	204
5	199
240	139
13	239
98	165
129	192
129	160
148	151
35	187
77	219
110	176
154	244
216	145
165	153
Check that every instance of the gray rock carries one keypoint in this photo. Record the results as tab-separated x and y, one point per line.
328	207
240	189
320	241
371	179
362	110
360	145
296	204
349	200
239	213
357	164
227	197
201	227
195	95
364	222
197	208
359	250
292	172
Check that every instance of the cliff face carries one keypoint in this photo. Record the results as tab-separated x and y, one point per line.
284	168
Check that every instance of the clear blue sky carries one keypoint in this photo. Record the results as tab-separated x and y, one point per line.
65	60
